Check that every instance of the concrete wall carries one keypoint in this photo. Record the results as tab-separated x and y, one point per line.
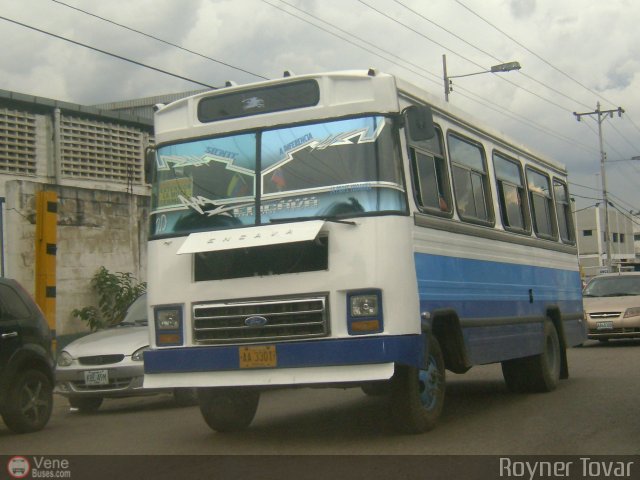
95	228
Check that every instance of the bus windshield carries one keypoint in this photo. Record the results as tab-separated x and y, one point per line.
334	169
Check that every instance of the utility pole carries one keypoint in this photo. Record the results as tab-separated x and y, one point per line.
601	116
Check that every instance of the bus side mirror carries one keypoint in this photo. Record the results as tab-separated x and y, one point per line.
149	160
419	119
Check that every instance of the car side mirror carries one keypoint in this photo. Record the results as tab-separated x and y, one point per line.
419	120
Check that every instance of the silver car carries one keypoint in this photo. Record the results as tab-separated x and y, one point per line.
109	364
612	306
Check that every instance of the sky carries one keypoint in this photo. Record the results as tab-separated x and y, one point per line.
576	56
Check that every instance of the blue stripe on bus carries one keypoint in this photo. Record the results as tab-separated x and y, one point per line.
483	292
480	288
405	349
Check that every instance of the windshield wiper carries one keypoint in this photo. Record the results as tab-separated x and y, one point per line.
326	218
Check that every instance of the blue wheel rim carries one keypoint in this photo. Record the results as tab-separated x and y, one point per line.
430	384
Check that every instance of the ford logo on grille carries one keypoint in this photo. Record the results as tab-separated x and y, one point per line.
255	321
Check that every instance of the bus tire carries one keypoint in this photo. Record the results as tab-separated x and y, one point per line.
538	373
228	409
417	394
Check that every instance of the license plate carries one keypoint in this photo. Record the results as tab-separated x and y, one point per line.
262	356
604	325
96	377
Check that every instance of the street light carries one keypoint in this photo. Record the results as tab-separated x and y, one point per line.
500	68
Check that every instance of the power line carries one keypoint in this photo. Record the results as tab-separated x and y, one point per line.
166	42
107	53
551	102
531	51
366	49
495	107
553	89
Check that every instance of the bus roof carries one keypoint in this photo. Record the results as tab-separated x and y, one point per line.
391	95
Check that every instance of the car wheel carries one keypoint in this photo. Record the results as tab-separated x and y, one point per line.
228	409
417	394
29	402
538	373
86	405
185	397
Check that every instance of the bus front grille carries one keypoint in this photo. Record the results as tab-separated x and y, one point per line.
260	321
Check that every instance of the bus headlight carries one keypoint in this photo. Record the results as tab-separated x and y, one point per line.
364	312
168	323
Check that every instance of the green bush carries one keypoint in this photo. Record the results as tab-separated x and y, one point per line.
116	291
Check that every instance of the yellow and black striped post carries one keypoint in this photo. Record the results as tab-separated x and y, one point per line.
46	237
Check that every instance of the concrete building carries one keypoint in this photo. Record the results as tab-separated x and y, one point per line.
592	240
92	158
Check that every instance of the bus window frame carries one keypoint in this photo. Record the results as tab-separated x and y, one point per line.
550	205
567	212
522	190
487	193
442	175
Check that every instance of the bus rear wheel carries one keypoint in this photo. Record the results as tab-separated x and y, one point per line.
417	394
538	373
228	409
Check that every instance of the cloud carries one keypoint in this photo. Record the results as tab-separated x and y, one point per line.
563	47
522	8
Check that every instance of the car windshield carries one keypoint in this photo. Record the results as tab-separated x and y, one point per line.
333	169
615	286
136	313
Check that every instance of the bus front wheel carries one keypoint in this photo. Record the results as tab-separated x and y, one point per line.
417	394
538	373
228	409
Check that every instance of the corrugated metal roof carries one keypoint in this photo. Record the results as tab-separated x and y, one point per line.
41	103
147	101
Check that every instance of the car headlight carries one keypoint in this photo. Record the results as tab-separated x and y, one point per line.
168	323
138	354
364	314
632	312
64	359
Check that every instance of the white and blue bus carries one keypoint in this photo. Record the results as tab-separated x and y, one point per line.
348	229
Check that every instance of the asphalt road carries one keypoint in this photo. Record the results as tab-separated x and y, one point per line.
596	411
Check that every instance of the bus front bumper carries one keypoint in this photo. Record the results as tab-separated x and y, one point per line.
325	361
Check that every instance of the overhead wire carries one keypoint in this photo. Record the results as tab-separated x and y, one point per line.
380	12
493	106
365	48
166	42
414	66
459	2
111	54
436	24
539	57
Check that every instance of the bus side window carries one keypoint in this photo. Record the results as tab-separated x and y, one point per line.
511	194
430	177
470	180
563	208
541	204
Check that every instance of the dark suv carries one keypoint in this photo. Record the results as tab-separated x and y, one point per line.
26	361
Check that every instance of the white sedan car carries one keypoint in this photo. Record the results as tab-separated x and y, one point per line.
612	306
109	364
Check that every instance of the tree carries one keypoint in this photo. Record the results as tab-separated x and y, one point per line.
116	291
